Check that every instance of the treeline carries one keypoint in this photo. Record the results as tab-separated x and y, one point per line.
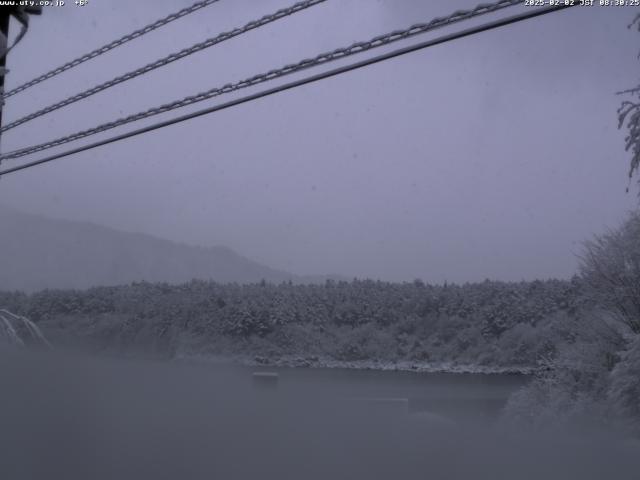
490	324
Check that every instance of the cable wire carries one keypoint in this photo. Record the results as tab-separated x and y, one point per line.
110	46
278	15
298	83
321	59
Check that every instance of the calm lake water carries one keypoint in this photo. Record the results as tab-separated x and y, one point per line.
71	417
457	396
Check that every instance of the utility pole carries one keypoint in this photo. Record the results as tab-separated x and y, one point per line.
21	13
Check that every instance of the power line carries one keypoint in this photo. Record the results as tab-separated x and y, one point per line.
278	15
321	59
297	83
110	46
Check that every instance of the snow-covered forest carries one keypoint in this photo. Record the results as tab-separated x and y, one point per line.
490	324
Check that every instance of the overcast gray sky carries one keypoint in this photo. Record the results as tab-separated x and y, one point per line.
488	157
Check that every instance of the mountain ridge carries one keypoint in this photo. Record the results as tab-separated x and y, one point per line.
38	252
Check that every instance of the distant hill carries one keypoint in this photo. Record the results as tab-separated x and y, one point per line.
38	252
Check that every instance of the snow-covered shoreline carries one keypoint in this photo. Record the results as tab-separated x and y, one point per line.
385	366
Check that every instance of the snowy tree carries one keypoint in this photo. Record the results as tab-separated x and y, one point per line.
629	117
624	393
611	268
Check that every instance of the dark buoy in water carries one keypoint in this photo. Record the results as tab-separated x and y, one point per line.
267	380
